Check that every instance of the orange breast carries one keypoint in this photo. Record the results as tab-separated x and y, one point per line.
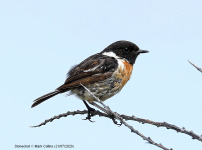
124	73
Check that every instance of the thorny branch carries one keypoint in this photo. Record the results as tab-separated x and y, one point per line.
108	114
118	116
95	113
164	124
133	118
199	69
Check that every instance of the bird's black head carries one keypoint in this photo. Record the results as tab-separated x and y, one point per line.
125	50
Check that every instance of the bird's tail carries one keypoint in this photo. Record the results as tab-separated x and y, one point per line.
44	97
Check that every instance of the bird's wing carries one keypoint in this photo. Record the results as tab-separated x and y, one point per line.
95	68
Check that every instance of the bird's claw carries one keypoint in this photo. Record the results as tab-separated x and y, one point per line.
89	119
115	122
89	114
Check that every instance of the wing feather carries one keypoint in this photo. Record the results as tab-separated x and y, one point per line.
95	68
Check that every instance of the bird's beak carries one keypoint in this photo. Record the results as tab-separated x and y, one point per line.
142	51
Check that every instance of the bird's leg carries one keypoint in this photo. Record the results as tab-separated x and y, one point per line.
89	112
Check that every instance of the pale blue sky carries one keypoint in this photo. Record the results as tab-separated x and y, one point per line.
41	40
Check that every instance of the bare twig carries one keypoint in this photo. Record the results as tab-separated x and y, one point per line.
164	124
133	118
94	113
108	113
118	116
199	69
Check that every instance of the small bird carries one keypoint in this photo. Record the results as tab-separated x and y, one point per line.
104	74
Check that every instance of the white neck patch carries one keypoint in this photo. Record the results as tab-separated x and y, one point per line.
111	54
119	60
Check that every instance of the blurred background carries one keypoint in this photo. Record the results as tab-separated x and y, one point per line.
41	40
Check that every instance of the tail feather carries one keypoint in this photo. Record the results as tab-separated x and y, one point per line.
44	97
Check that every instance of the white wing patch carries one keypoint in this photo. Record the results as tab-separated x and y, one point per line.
92	69
119	60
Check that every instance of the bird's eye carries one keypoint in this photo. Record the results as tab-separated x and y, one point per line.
126	50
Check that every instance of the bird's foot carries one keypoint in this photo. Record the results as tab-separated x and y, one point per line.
90	110
115	122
